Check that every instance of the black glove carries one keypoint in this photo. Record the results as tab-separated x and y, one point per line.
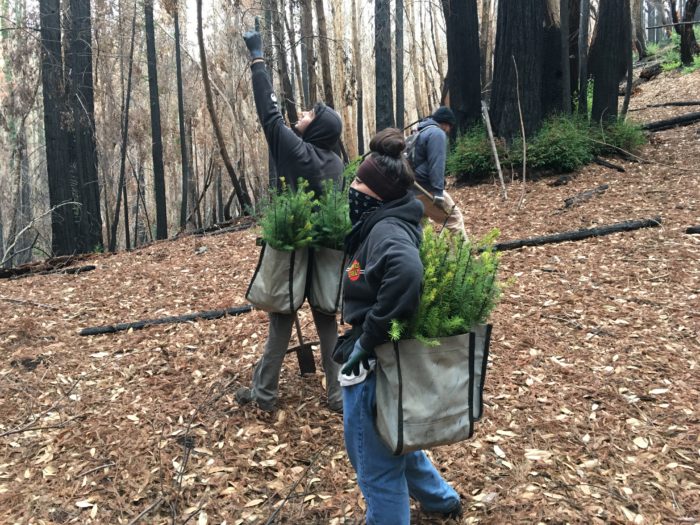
253	41
358	355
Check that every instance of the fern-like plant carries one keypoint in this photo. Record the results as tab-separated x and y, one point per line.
286	219
460	287
331	218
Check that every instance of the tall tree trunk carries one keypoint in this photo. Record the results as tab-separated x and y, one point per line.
61	180
343	65
243	198
323	43
156	135
574	18
485	43
638	28
564	47
400	103
383	96
121	186
585	16
287	86
291	33
82	102
518	65
357	65
689	45
463	61
184	159
307	36
418	96
608	57
552	74
629	67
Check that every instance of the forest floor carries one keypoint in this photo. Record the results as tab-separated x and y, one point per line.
592	391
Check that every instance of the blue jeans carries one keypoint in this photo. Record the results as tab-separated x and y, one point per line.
387	481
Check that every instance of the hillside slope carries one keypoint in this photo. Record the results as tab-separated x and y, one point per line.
592	389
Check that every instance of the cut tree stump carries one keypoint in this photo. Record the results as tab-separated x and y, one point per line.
578	235
683	120
585	195
137	325
693	230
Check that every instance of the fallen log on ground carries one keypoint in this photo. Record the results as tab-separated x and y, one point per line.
54	263
683	120
651	71
578	235
585	195
693	230
137	325
608	164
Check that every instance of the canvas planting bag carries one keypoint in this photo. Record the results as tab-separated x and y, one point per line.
279	281
325	289
430	396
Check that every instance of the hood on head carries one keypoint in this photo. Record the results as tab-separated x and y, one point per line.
325	129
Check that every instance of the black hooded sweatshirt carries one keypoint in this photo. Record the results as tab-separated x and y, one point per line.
309	156
384	275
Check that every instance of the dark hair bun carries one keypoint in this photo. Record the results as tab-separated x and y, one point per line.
389	142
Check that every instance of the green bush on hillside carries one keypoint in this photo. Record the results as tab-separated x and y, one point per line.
617	137
471	155
561	144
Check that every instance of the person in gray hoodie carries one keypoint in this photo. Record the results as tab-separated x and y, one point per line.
429	167
305	152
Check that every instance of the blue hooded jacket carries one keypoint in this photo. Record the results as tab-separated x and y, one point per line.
430	155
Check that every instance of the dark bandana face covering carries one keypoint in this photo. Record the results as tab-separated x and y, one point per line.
360	204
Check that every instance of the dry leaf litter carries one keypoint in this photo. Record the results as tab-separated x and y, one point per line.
592	390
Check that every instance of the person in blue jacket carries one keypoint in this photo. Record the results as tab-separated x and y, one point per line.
306	152
429	166
383	282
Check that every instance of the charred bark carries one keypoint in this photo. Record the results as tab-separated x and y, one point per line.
464	85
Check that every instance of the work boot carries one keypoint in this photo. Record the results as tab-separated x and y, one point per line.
244	395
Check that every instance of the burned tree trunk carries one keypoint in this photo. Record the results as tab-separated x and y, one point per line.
608	57
156	134
552	63
358	76
584	19
463	61
384	97
518	66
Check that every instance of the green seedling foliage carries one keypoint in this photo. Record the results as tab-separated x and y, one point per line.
561	144
460	287
286	219
619	135
331	218
471	155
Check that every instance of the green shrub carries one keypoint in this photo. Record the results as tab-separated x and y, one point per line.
619	135
286	219
561	144
460	287
471	155
331	219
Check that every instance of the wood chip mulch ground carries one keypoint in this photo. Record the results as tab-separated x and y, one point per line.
592	391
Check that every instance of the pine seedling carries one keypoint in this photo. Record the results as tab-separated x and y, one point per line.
331	219
286	221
